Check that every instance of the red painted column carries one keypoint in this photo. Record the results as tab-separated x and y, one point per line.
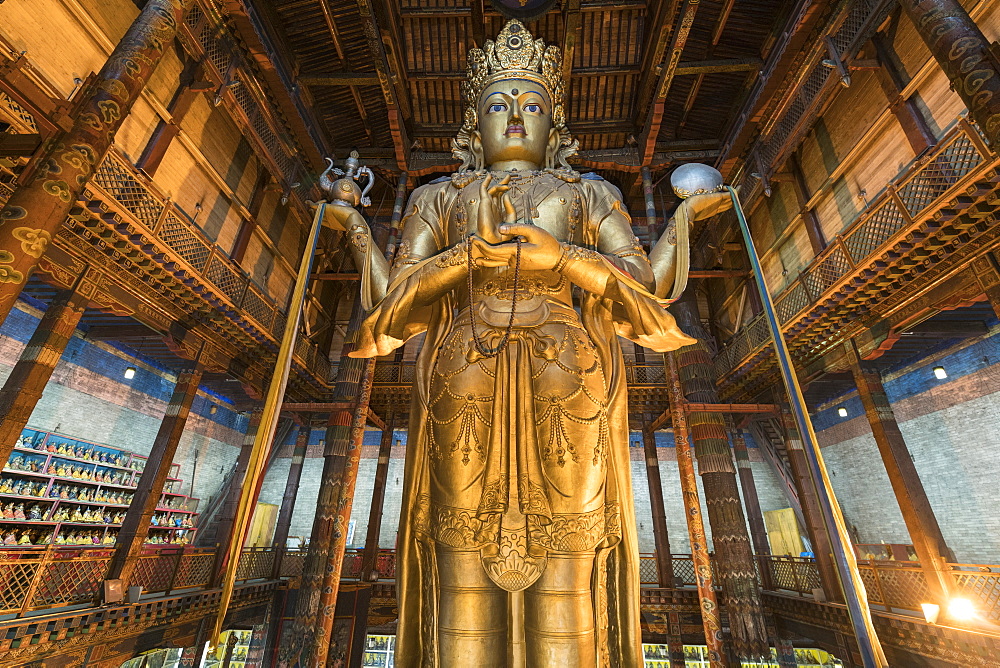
369	562
135	527
35	211
24	387
823	551
710	615
965	55
758	531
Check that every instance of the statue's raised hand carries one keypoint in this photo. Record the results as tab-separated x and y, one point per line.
495	208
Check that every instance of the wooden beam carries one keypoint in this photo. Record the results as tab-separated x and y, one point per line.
647	143
331	27
317	406
390	73
716	408
718	273
571	13
18	146
375	420
339	79
715	66
134	331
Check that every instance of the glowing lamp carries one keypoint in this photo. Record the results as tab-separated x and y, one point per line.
940	373
842	412
130	373
961	609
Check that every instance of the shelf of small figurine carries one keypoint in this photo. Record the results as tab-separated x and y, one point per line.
33	440
47	465
70	535
53	503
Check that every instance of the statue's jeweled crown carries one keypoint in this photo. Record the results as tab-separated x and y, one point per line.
515	54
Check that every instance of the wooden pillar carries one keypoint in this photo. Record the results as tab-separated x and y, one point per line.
647	192
135	526
291	486
917	513
734	560
179	106
809	218
36	211
758	531
27	380
664	562
822	550
908	114
710	618
227	512
965	55
675	640
369	561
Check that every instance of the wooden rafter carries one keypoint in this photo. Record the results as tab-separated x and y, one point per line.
331	27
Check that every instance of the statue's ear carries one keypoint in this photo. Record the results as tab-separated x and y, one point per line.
476	147
552	148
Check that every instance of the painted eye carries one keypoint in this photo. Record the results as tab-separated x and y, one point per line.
533	108
496	107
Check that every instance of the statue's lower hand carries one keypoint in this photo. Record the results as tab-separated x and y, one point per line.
540	251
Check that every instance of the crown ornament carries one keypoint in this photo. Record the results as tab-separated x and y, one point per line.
515	54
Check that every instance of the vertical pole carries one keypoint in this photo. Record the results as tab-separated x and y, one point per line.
346	441
913	503
135	526
36	211
758	532
710	619
812	514
27	380
664	562
965	55
268	421
847	566
291	486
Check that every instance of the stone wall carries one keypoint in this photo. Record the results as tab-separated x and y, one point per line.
952	430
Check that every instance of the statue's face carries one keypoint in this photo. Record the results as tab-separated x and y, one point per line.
515	122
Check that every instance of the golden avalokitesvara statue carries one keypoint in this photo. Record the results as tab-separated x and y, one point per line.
517	540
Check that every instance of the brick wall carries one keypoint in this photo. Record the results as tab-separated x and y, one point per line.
89	398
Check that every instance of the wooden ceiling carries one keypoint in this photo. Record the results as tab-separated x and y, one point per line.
657	82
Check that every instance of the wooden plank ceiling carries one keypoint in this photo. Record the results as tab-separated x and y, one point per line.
620	61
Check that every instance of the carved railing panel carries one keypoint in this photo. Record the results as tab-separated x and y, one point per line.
116	180
929	180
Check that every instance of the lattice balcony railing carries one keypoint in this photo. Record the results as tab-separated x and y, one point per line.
117	182
928	181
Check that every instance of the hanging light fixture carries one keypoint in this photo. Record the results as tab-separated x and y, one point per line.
940	373
842	412
130	373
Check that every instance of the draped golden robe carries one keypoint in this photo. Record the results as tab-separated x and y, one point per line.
526	453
